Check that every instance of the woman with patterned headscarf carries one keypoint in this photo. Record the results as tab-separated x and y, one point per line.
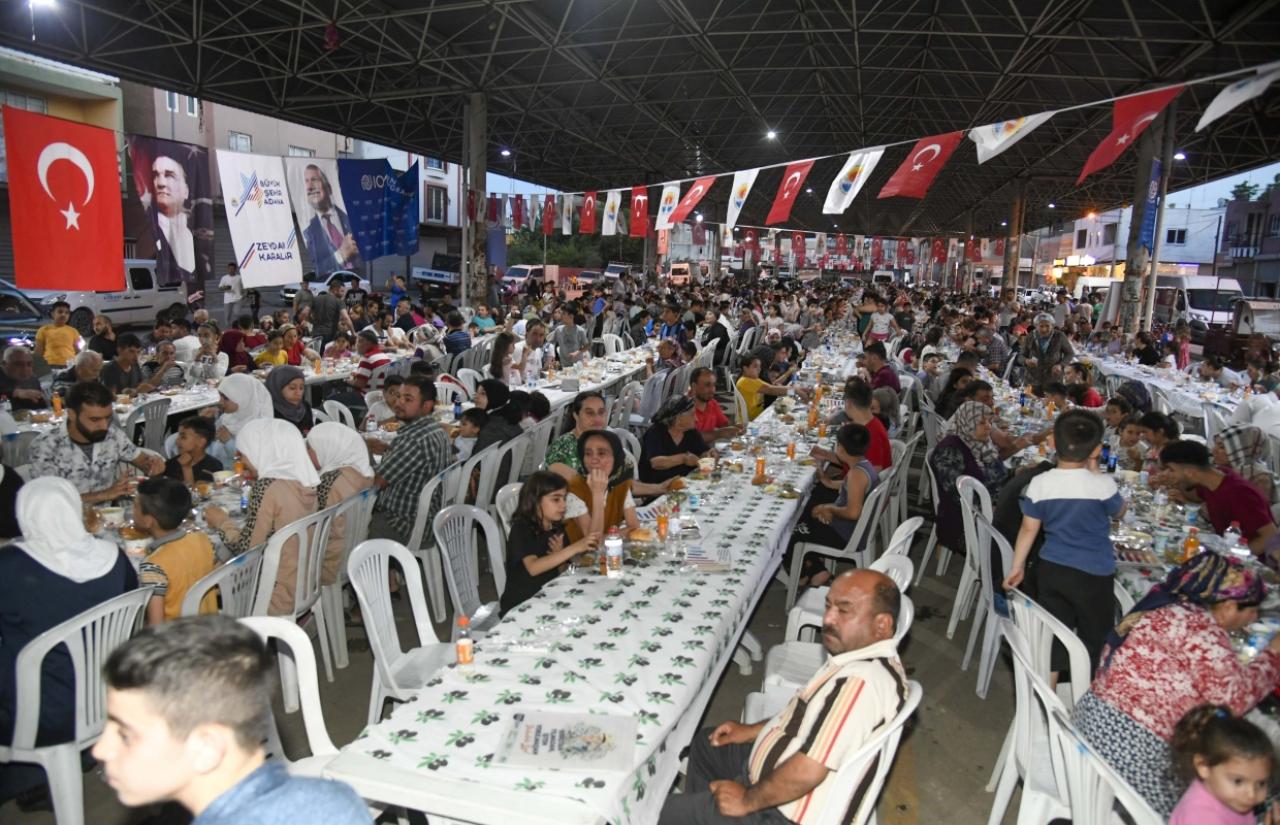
673	445
966	449
1170	653
1243	448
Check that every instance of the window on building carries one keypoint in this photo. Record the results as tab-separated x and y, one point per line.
301	152
239	142
1273	226
1175	236
1108	234
435	163
437	198
1082	238
171	101
193	106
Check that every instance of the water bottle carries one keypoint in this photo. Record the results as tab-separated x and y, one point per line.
1160	501
465	647
1231	536
1113	461
5	405
1106	457
457	409
244	497
371	426
613	552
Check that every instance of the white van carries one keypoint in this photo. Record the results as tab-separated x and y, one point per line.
141	300
1201	300
882	277
516	278
680	274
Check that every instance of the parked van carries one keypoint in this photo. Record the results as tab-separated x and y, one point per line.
1201	300
141	300
882	277
516	278
680	274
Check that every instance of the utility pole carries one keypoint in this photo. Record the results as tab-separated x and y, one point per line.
1013	239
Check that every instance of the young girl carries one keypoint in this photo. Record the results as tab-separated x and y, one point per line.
1229	762
538	545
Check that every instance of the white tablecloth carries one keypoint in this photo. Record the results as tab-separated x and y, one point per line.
1186	398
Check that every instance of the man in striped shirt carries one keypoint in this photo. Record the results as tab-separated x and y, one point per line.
783	769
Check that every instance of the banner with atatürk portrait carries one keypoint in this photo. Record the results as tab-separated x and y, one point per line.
169	210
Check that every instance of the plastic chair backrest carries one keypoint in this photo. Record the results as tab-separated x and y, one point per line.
304	659
468	470
872	509
897	567
448	392
446	378
502	468
933	425
89	638
867	768
620	415
987	533
236	581
631	445
741	415
504	504
1041	630
445	485
155	415
378	376
311	536
974	501
455	528
539	441
368	568
1093	786
612	344
906	615
373	397
354	514
651	398
341	412
470	379
900	541
1034	705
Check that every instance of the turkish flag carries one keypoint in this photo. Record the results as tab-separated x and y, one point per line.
975	250
914	177
911	253
699	234
64	203
940	250
691	198
493	209
842	244
639	211
999	247
877	252
797	248
903	246
788	190
1129	118
752	241
549	215
587	218
517	213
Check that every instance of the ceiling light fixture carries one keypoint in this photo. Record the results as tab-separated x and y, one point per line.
770	134
1179	155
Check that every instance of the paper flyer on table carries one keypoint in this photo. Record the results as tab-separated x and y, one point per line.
568	741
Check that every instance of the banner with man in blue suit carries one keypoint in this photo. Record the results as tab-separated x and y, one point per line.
322	216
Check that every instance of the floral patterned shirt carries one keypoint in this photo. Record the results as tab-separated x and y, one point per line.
53	453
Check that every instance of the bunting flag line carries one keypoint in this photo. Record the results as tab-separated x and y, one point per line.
797	249
1129	119
1240	92
566	214
914	177
974	253
902	250
742	182
549	215
696	192
492	216
699	234
999	247
639	211
517	213
502	213
587	220
612	203
994	138
877	252
792	181
842	244
849	182
939	251
667	204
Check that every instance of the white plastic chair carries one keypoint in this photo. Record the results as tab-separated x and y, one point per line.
861	557
448	392
422	540
236	582
631	446
478	461
1093	786
944	555
89	638
974	500
901	471
504	505
539	441
455	529
625	405
985	611
793	663
612	344
354	515
337	411
155	415
902	538
501	468
932	426
470	379
397	673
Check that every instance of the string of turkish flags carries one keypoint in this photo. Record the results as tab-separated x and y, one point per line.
915	174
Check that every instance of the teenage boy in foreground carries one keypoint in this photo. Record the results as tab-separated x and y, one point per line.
188	705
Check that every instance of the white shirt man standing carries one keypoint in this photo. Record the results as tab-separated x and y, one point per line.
232	292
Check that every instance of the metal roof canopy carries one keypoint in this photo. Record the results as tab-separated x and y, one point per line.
614	93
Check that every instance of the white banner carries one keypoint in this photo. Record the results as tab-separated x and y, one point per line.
742	183
261	223
849	182
611	206
667	205
566	214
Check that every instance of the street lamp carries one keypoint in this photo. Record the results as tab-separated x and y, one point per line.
770	134
505	152
1179	155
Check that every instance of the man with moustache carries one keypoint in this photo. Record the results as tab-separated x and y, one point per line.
783	770
328	234
87	449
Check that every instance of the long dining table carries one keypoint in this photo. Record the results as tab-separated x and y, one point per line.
650	645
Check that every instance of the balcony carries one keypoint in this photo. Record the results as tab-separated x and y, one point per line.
1243	252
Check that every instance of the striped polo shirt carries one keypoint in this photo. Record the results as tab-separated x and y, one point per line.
850	698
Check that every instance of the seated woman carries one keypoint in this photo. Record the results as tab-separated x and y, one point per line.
1078	372
342	459
602	499
500	365
673	445
1243	448
1171	653
283	491
288	388
948	400
236	342
1228	498
56	571
832	525
208	364
241	399
966	449
886	407
295	350
538	547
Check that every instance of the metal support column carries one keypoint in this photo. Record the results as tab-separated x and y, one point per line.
1013	239
476	277
1170	117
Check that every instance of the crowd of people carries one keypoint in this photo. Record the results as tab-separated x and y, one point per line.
919	351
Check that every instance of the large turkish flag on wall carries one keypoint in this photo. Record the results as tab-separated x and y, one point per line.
64	203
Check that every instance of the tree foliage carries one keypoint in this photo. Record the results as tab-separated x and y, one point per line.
587	251
1244	191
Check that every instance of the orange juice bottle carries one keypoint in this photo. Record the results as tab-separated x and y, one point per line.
817	392
664	524
1191	545
791	451
238	467
822	428
57	404
813	415
759	466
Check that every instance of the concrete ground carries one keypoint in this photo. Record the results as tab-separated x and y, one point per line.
939	774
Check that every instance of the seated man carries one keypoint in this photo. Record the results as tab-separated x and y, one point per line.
18	380
188	705
789	761
86	367
712	422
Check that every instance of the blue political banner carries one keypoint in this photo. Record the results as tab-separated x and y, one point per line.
364	184
1147	233
400	208
495	247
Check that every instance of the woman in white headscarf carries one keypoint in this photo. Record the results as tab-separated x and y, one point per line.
340	455
54	572
241	398
283	491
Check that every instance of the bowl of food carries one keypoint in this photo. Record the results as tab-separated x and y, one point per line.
136	541
642	534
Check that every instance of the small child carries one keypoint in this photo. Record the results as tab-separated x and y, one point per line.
1055	392
1074	503
274	355
464	439
178	558
188	707
538	545
1132	452
192	463
1229	762
384	410
1158	431
929	375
